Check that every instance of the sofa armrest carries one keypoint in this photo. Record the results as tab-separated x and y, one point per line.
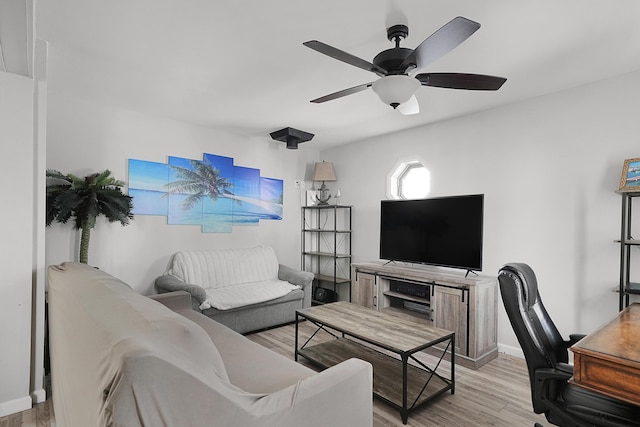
299	278
345	388
176	300
295	277
168	283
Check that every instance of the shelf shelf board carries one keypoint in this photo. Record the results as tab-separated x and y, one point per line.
327	254
630	193
387	371
321	230
327	278
632	288
327	207
630	242
407	297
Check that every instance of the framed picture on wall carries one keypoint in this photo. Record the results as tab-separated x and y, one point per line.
630	179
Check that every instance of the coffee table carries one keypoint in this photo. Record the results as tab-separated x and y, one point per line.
389	343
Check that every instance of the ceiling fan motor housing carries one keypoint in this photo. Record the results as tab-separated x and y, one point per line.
397	32
392	59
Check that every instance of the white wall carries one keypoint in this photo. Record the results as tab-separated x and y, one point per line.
84	137
548	168
16	250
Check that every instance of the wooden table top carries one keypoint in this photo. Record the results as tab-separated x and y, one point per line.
395	333
619	339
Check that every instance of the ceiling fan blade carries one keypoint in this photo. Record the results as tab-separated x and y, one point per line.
443	41
410	107
342	93
461	81
345	57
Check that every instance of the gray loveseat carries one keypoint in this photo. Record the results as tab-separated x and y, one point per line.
245	289
122	359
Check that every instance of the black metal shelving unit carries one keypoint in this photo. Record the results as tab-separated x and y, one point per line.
326	246
627	242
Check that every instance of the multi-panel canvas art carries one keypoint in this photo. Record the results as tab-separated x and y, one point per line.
212	192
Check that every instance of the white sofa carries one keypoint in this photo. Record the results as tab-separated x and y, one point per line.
122	359
243	288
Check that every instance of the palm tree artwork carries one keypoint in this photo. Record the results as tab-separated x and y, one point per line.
202	181
84	199
211	192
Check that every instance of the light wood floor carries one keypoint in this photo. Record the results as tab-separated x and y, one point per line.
497	394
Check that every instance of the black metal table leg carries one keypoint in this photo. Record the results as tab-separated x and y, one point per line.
295	346
404	412
453	363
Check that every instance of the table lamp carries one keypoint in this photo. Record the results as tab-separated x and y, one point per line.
323	172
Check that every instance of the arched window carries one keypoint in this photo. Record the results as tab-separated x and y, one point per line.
409	180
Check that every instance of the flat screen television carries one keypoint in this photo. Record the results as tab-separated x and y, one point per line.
442	231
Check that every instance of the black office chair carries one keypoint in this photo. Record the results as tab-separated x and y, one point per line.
563	403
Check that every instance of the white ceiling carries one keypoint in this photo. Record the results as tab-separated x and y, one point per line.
240	65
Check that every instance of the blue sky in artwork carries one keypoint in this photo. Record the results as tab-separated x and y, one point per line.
246	182
271	190
144	175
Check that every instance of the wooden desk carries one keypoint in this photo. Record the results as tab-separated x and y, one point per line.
608	360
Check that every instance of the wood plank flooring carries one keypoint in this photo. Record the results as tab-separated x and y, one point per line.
497	394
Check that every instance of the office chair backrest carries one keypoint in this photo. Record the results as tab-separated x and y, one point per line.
539	338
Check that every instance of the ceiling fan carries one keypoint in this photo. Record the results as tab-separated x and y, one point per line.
396	87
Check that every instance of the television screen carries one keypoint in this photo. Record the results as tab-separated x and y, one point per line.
443	231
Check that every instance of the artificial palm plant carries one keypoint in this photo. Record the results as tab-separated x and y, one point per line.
85	199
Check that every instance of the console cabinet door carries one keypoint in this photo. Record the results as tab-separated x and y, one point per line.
450	312
364	292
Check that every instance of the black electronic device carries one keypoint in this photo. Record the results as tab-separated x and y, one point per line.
324	295
442	231
421	291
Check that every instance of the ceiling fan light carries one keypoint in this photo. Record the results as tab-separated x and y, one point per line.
395	89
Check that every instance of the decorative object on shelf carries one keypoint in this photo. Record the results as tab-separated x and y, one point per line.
292	137
84	199
336	198
630	179
323	172
312	197
212	192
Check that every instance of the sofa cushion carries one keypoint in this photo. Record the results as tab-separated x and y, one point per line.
224	267
251	366
240	295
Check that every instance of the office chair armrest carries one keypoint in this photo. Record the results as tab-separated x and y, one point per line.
554	374
548	380
565	368
574	338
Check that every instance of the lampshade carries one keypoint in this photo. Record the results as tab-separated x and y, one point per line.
324	172
395	89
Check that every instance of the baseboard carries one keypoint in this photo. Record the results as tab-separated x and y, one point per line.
38	396
511	350
16	405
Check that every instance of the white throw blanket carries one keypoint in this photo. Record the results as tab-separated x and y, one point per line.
228	297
